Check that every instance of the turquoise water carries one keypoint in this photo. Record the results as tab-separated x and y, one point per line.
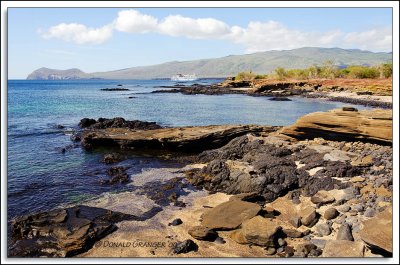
41	177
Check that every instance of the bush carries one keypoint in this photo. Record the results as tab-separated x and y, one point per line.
245	76
386	70
281	73
363	72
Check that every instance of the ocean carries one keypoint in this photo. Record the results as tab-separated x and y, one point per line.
43	114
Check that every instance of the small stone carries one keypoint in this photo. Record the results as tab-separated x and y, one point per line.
271	251
331	213
343	249
344	233
219	240
324	229
369	212
292	233
280	250
281	242
175	222
343	208
315	253
357	207
185	247
309	217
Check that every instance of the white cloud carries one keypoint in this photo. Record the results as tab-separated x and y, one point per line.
256	36
133	21
78	33
374	39
271	35
201	28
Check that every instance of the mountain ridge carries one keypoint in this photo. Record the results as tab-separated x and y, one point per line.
260	62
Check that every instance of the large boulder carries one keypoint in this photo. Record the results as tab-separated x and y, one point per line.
261	231
229	215
377	232
341	125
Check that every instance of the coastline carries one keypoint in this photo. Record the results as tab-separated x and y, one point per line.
350	172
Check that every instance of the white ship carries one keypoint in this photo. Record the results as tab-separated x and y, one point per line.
183	77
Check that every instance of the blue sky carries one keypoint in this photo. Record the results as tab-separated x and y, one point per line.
103	39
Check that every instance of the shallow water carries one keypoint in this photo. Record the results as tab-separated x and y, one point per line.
41	177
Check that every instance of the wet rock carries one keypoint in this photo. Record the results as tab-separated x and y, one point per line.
322	197
103	123
324	229
377	232
344	233
184	247
63	232
309	216
112	158
331	213
229	215
202	233
261	231
280	99
343	249
86	122
118	175
176	222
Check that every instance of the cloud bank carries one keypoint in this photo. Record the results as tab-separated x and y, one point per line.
256	36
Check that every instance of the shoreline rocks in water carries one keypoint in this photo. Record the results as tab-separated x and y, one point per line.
63	232
320	196
187	139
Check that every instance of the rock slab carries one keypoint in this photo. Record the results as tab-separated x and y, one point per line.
229	215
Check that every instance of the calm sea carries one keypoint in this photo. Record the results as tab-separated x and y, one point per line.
42	114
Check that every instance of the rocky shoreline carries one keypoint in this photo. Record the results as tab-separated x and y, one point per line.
358	93
319	188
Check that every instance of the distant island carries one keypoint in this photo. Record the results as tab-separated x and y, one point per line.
262	62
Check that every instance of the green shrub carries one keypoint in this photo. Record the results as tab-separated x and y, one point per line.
245	76
357	71
281	73
386	70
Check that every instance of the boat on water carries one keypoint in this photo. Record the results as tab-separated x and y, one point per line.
184	77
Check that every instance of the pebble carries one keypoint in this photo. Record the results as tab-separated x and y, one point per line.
219	240
331	213
281	242
343	208
324	229
176	222
271	251
280	250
